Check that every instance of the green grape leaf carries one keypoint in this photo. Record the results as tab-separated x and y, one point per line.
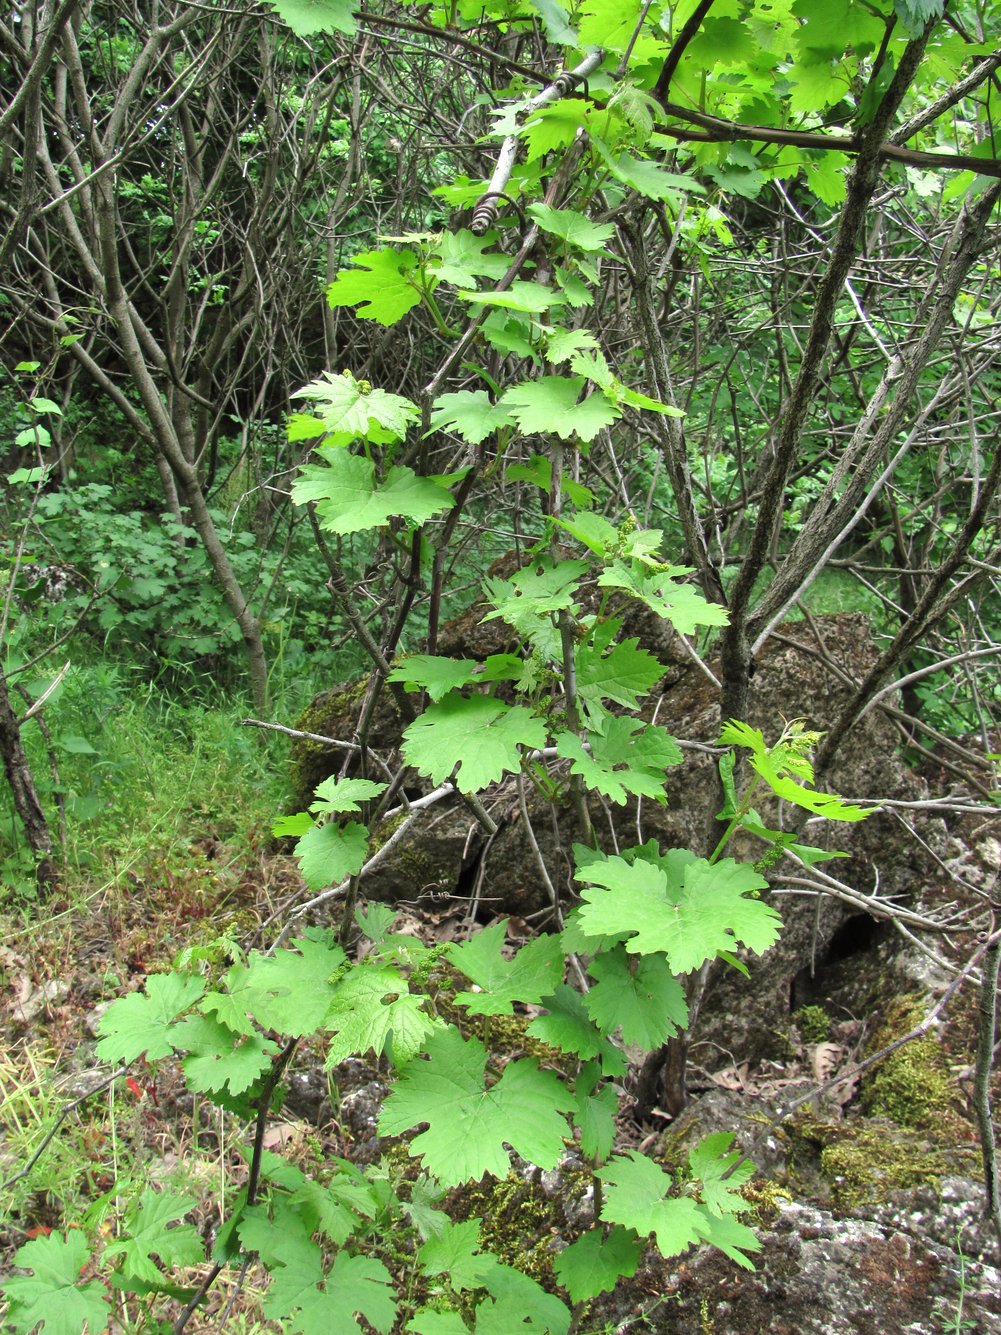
554	19
328	853
354	1286
534	593
914	14
305	17
645	177
291	827
533	973
375	920
461	259
373	1011
529	298
641	997
435	675
304	426
731	1236
677	603
289	991
136	1024
785	762
624	674
147	1234
610	25
595	532
351	409
549	406
631	757
691	919
562	344
334	1209
596	1107
468	1123
280	1234
566	1025
470	414
219	1059
636	1196
519	1303
53	1294
380	286
573	228
336	795
480	735
429	1321
455	1253
709	1160
634	399
594	1264
349	500
554	126
539	472
508	332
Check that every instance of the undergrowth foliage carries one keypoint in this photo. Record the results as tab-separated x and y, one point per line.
646	917
564	713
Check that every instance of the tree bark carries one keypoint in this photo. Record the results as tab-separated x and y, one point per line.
22	787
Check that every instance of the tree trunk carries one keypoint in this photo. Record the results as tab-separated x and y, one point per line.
22	786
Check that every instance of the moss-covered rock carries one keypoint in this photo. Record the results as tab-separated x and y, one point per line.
911	1087
335	714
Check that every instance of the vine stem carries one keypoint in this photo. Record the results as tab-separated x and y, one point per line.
253	1182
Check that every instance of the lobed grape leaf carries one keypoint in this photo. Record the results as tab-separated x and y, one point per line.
721	1173
350	500
533	972
631	757
480	735
549	406
380	286
783	763
52	1297
336	795
529	298
539	471
636	1196
597	1103
455	1253
305	17
732	1237
690	918
554	126
470	413
136	1024
519	1303
219	1059
147	1233
329	853
288	992
468	1124
640	997
566	1024
623	674
435	675
534	593
678	603
461	258
594	1263
351	409
373	1011
573	228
